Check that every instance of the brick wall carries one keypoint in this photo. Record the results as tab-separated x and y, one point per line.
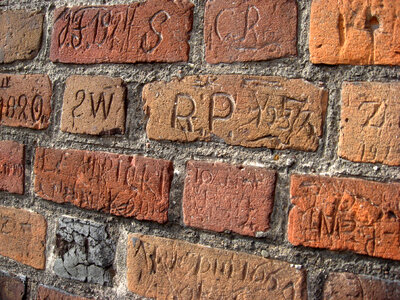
193	149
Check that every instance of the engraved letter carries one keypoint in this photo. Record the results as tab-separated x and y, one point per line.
183	112
221	107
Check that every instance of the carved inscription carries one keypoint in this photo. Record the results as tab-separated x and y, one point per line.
25	100
355	32
249	30
223	197
50	293
129	186
151	31
170	269
370	122
12	167
93	105
345	214
340	286
251	111
23	236
20	35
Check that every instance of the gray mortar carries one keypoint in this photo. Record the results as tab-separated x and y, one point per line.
274	244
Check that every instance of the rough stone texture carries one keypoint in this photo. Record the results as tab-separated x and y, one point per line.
151	31
11	288
50	293
355	32
370	122
20	35
12	167
23	236
350	286
345	214
251	111
129	186
249	30
93	105
25	100
85	251
222	197
170	269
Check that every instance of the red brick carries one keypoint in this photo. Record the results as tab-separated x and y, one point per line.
151	31
356	32
129	186
370	122
249	30
11	288
23	236
170	269
340	286
25	100
50	293
12	167
221	197
345	214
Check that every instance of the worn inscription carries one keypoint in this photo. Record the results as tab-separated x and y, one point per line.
50	293
139	32
93	105
345	214
23	236
370	122
12	167
251	111
223	197
25	100
249	30
129	186
355	32
169	269
340	286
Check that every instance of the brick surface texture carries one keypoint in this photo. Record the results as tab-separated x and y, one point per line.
20	35
150	31
355	32
93	105
251	111
249	30
12	167
370	122
48	293
171	269
23	236
25	100
11	288
129	186
223	197
345	214
340	286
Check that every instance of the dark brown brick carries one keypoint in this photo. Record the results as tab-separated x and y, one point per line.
12	167
50	293
11	288
129	186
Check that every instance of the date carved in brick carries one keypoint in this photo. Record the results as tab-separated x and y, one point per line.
251	111
25	100
370	122
223	197
340	286
356	32
345	214
170	269
12	167
93	105
129	186
50	293
249	30
23	236
151	31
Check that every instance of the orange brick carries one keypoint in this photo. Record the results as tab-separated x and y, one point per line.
370	122
12	167
23	236
356	32
129	186
345	214
50	293
170	269
223	197
150	31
